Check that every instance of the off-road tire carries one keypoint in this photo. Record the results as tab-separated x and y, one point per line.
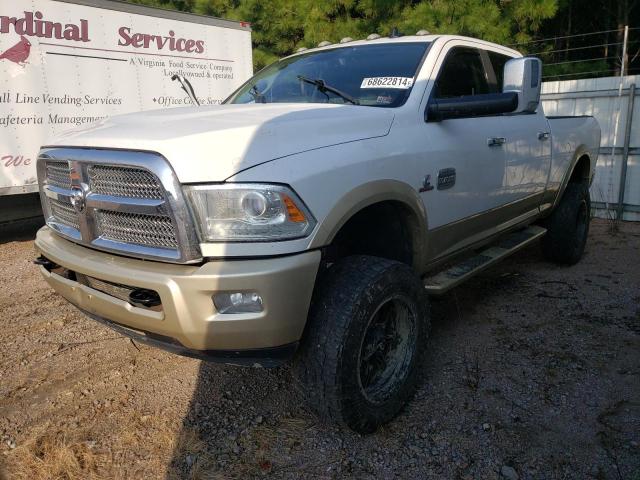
328	366
568	226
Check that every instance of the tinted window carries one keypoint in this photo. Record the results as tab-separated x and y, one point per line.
497	62
462	74
390	70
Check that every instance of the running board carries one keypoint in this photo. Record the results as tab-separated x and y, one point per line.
443	281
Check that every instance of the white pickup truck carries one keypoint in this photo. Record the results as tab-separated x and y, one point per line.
311	215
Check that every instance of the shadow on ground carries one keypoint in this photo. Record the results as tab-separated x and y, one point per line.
530	366
21	230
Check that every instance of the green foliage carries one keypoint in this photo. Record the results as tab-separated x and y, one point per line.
282	26
569	71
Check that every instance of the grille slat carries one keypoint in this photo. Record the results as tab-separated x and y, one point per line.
124	182
59	175
139	229
64	213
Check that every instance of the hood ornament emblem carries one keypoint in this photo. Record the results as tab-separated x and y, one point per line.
79	198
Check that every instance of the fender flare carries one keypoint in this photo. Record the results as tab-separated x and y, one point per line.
581	151
369	194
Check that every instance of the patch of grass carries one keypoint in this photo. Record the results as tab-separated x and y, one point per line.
52	453
613	223
201	464
110	447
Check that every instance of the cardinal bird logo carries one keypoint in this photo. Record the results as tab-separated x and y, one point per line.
19	52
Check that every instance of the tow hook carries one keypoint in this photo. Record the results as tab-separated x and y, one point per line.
46	263
141	297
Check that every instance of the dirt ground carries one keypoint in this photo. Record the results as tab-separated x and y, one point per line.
533	371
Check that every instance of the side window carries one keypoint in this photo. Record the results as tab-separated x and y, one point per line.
497	61
462	73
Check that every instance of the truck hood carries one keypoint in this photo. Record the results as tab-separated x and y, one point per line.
210	144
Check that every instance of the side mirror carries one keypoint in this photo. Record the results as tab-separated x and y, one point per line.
524	77
470	106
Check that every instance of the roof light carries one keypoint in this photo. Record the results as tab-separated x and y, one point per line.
422	33
346	40
324	44
373	36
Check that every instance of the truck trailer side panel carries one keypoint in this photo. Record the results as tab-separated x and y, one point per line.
65	64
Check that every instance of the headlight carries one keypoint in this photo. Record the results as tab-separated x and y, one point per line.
248	212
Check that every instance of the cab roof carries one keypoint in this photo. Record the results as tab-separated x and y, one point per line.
407	39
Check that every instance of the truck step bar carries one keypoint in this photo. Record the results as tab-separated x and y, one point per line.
445	280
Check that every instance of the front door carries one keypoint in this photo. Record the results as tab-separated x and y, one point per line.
464	157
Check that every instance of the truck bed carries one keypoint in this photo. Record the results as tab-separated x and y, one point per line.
571	138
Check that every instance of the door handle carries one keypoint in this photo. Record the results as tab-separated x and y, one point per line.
542	136
496	141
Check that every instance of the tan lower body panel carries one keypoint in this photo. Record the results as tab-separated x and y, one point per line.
455	237
188	314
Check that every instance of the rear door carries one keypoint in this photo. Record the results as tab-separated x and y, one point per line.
527	152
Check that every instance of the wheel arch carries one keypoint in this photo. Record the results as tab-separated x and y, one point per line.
582	168
376	194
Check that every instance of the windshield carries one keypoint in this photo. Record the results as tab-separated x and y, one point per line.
373	75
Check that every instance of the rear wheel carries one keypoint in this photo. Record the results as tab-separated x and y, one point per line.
367	330
568	226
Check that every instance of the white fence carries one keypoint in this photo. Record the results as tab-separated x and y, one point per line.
619	160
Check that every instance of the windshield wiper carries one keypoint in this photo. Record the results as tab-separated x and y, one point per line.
187	87
257	96
323	88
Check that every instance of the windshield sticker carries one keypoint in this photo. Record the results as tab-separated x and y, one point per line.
384	99
387	82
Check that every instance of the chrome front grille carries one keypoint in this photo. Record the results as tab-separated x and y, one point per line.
64	213
124	202
124	182
58	174
138	229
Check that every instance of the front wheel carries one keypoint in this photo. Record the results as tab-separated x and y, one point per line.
367	330
568	226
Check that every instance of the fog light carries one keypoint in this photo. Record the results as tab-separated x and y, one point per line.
238	302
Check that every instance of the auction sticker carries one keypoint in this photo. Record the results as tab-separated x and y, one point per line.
387	82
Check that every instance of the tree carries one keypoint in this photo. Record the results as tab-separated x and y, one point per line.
282	26
584	39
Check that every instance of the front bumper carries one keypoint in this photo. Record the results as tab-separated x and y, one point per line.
188	319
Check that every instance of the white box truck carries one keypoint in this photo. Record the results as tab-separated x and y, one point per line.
66	63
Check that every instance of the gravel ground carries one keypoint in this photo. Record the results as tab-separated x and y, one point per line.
533	372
